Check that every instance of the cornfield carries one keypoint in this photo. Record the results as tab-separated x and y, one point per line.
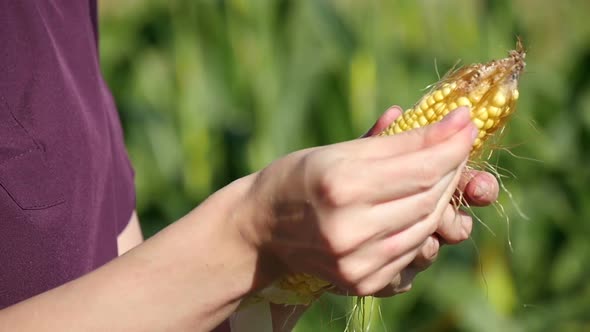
209	91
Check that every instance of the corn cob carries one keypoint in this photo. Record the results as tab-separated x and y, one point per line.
489	90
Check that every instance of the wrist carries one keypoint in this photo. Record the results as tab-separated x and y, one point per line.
249	226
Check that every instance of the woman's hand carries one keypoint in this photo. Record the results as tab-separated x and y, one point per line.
478	188
360	213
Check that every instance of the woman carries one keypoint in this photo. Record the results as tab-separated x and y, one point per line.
366	214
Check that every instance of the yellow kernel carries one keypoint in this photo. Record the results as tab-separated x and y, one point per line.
493	111
423	121
431	100
515	94
482	114
446	91
482	134
475	96
438	95
418	111
477	142
415	124
424	104
499	99
463	101
453	106
397	129
478	123
438	107
438	118
489	124
430	113
445	111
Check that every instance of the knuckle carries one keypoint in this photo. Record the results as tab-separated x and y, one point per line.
338	246
431	251
350	275
428	174
333	190
428	203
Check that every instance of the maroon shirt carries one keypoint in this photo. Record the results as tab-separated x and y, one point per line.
66	185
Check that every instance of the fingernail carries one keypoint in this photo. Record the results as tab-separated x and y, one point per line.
481	190
460	111
449	116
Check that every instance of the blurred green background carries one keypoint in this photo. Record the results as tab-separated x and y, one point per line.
209	91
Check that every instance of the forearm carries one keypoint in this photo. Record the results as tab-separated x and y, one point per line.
191	276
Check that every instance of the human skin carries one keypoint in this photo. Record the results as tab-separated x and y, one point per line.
478	188
356	213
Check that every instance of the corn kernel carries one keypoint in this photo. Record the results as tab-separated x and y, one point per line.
453	106
493	111
515	94
430	113
438	107
464	101
438	95
424	104
446	91
423	121
475	96
477	142
499	99
478	123
489	124
430	100
482	114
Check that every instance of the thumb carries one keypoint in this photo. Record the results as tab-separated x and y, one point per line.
384	121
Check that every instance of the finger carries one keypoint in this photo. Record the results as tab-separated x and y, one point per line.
382	246
413	140
382	180
393	178
399	214
402	282
394	249
374	248
479	188
427	254
377	280
393	217
455	225
384	121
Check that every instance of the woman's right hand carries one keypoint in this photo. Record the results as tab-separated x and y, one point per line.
357	213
